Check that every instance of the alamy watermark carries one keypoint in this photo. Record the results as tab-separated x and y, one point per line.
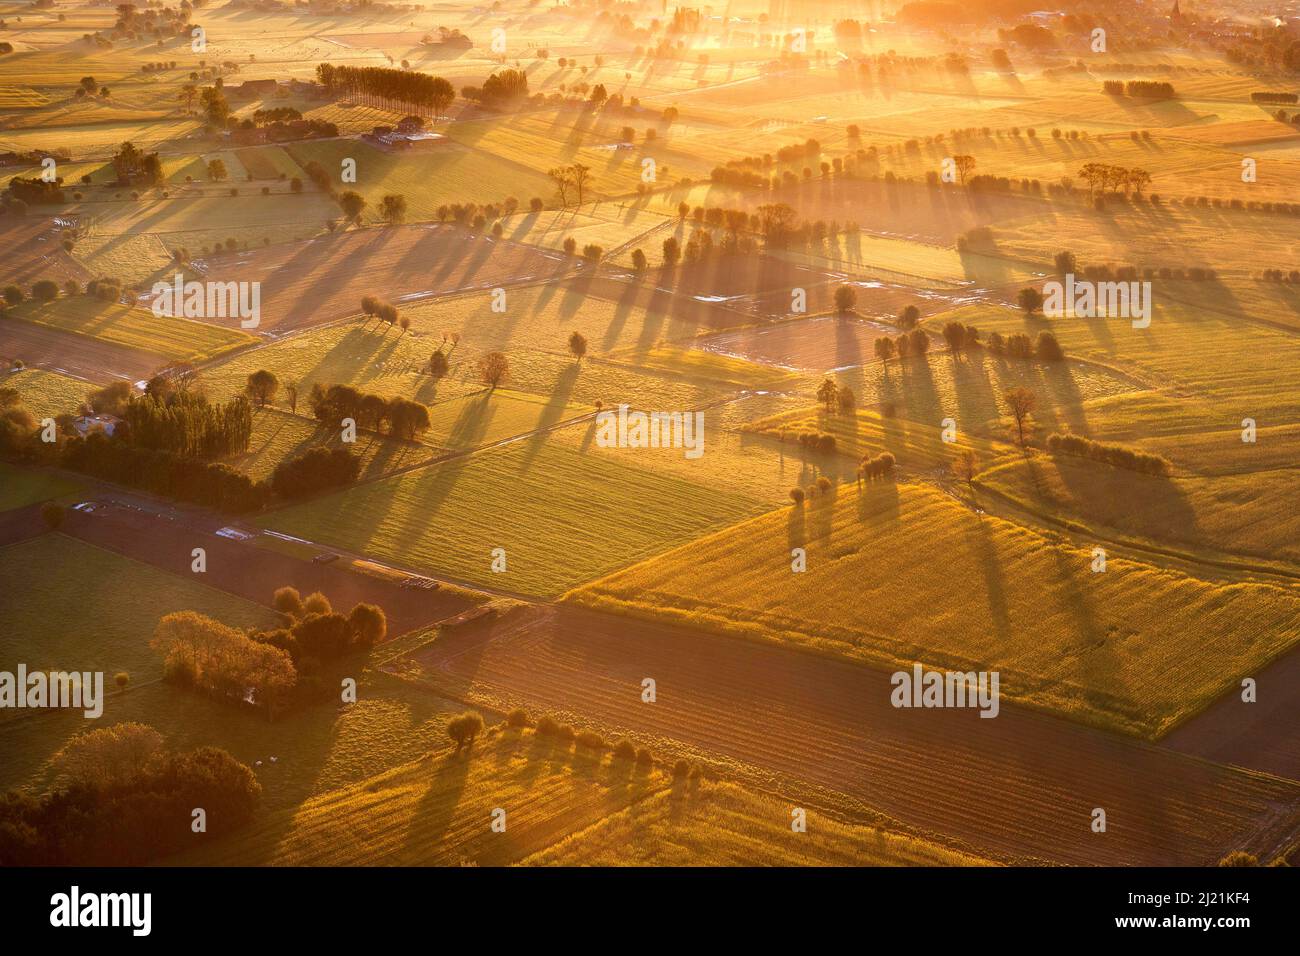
627	429
74	909
921	688
54	689
1085	299
209	300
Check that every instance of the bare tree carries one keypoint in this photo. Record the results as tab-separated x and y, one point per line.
965	466
561	176
1021	401
493	367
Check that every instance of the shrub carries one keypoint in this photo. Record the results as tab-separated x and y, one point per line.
681	768
46	290
518	718
464	728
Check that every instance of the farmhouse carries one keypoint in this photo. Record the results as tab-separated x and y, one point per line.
253	89
85	425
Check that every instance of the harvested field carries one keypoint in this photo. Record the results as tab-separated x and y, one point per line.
77	355
1074	643
1021	787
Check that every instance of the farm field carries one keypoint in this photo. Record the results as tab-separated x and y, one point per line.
1015	786
725	825
19	488
1070	645
47	394
175	339
478	234
442	519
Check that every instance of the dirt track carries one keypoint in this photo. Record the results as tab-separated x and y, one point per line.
1023	785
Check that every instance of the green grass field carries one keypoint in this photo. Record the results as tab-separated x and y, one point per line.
47	394
562	517
20	487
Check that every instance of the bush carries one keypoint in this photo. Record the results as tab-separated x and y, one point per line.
464	728
1048	349
644	758
681	768
46	290
518	718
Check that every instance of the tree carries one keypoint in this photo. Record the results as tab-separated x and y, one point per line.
1021	401
216	170
288	601
846	297
1048	349
291	393
45	290
13	295
438	364
955	334
965	165
121	679
672	252
578	345
108	756
1030	299
965	466
262	386
492	368
1065	262
827	392
215	105
368	623
352	204
562	176
884	348
580	175
464	728
909	317
392	209
638	260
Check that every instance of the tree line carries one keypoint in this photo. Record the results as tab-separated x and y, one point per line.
121	799
404	418
1147	463
388	88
